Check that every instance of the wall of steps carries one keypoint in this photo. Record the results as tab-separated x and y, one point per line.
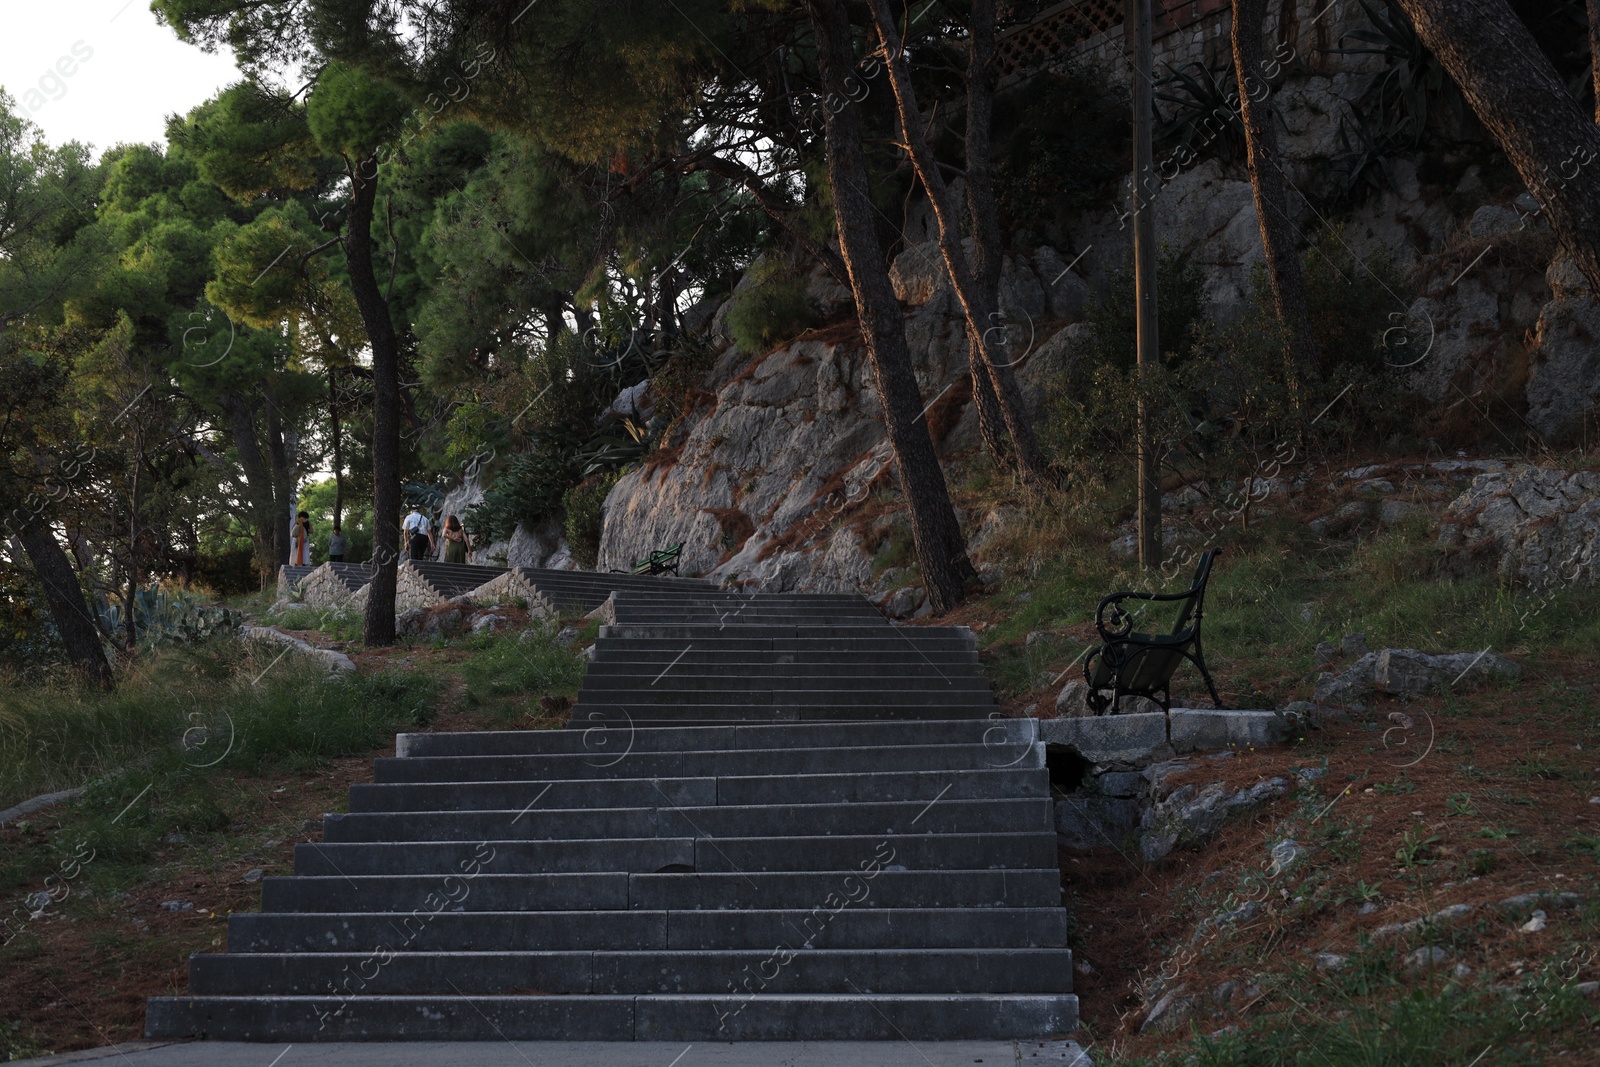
858	878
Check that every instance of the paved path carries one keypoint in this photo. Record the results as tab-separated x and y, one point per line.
587	1054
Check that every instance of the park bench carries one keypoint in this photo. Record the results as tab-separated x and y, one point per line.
1130	663
661	561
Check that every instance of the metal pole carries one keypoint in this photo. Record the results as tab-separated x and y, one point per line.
1144	276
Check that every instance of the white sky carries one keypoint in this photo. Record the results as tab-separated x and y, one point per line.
136	74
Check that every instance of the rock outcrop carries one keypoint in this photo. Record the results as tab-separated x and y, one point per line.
1542	523
775	484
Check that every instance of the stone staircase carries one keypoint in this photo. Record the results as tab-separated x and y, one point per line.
289	577
733	840
579	592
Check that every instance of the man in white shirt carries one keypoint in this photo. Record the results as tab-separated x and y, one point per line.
418	534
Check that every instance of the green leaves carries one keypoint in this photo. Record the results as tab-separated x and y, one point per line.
248	141
352	114
260	270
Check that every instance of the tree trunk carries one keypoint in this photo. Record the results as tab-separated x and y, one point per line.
67	606
258	481
986	245
379	626
1271	195
282	484
1524	105
133	549
1594	52
941	550
981	315
338	445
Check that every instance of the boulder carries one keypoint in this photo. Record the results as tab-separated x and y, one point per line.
1086	821
1407	672
1564	386
1542	523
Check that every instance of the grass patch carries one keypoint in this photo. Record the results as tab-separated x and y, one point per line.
339	623
222	705
510	674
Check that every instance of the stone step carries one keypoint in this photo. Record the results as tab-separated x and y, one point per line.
778	677
640	714
737	763
737	639
675	1017
917	852
997	783
933	668
934	817
493	892
581	738
770	631
967	970
815	926
930	699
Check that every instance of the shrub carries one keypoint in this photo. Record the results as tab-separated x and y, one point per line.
773	308
583	504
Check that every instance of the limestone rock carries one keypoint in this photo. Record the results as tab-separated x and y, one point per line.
1565	383
1544	523
1407	672
1086	821
1073	701
1426	957
1492	221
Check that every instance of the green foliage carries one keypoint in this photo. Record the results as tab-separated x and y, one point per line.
529	489
1094	400
1401	103
772	307
168	615
351	113
220	707
583	503
522	667
1204	120
1059	140
247	141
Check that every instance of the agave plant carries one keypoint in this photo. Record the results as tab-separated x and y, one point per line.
1403	95
1205	117
163	616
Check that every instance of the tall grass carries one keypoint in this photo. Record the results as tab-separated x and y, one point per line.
510	671
221	705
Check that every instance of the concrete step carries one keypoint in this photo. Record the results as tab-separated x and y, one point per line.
495	892
930	699
712	764
849	631
972	970
815	678
737	639
711	714
676	1017
917	852
934	817
716	664
998	783
816	926
580	738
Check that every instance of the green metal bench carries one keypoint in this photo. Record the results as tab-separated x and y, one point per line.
661	561
1139	664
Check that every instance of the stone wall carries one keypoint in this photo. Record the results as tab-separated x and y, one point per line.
513	586
1199	31
322	588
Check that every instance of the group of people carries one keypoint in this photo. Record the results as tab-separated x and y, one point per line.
417	540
